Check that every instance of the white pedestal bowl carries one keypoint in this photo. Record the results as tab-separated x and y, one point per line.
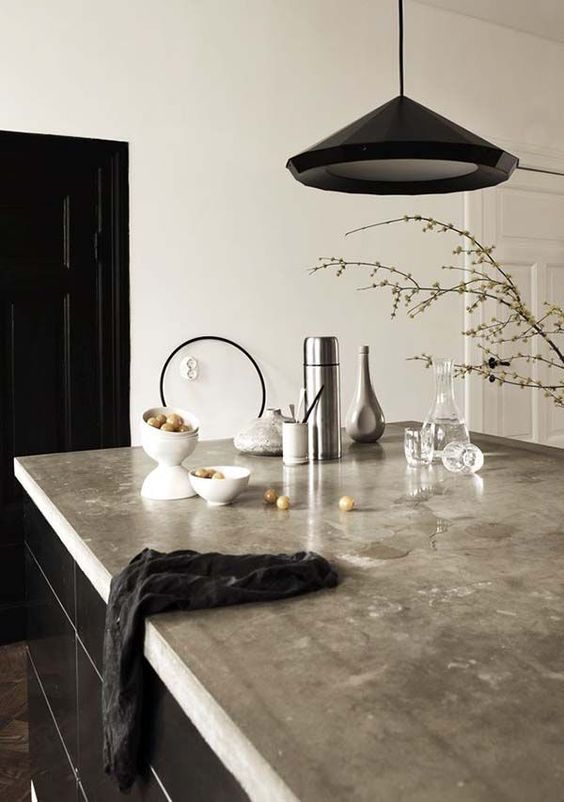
169	480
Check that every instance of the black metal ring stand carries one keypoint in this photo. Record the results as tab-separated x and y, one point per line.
221	340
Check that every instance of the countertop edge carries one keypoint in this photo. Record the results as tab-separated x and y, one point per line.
236	752
79	551
255	775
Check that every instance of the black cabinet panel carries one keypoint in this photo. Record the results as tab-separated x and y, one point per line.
97	786
11	573
90	618
12	621
51	772
188	768
51	642
49	551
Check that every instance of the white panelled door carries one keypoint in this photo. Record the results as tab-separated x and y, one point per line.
524	219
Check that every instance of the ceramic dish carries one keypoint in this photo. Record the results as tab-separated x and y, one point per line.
187	416
218	492
170	480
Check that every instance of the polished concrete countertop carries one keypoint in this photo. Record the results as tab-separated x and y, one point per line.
434	672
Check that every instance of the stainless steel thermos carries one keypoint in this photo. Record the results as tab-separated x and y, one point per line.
321	368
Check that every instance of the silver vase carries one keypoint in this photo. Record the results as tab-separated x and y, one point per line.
365	420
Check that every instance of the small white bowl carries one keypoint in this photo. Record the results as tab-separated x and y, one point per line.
187	417
218	492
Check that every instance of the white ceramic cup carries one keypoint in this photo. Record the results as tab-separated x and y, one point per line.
294	443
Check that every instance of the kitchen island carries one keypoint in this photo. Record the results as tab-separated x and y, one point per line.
435	671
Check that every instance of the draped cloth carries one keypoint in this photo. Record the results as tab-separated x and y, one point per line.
181	580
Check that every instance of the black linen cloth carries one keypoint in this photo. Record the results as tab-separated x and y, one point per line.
181	580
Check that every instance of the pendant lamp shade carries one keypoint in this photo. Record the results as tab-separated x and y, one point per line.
402	148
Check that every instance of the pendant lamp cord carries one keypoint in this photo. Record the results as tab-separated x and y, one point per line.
400	9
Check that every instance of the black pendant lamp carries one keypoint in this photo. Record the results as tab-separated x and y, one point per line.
402	148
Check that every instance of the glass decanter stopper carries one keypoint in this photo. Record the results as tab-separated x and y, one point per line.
462	457
443	419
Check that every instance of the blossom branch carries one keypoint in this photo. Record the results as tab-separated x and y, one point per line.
484	279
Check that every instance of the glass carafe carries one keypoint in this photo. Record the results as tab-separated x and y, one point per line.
443	419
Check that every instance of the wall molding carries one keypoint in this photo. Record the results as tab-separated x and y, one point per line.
483	218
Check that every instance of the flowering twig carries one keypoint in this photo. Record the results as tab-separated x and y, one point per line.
484	279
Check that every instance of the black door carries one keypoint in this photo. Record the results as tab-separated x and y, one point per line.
64	317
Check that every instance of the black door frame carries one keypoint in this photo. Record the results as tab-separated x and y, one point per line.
112	247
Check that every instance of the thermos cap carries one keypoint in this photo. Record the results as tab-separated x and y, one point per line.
321	351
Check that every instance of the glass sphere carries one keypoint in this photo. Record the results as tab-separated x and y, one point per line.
459	457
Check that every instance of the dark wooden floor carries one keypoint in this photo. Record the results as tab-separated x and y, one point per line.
14	759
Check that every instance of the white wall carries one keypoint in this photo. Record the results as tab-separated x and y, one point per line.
213	96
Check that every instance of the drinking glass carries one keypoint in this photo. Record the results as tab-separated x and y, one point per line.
418	446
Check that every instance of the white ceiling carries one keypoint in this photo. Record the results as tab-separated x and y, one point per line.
540	17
